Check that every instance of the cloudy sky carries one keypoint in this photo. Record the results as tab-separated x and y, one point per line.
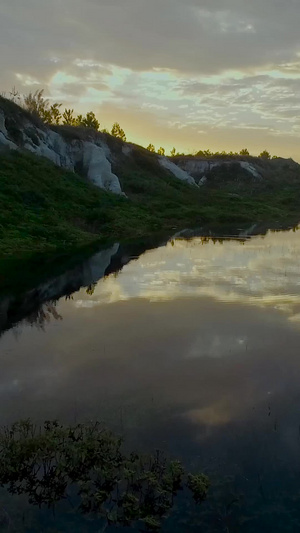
194	74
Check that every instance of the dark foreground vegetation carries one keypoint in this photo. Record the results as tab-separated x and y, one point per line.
86	464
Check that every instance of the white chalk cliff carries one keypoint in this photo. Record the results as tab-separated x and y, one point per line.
92	154
176	171
93	157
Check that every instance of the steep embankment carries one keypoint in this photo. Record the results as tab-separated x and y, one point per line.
80	150
66	198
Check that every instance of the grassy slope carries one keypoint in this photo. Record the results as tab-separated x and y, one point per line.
43	208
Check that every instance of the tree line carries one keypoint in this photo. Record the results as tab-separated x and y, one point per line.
209	154
53	114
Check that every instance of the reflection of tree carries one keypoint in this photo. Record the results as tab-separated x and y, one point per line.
69	297
42	316
91	289
123	489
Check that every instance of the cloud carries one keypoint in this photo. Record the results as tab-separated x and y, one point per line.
198	65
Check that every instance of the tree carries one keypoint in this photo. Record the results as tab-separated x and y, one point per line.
68	117
36	104
161	151
265	154
151	147
118	132
244	151
204	153
54	114
89	121
173	152
43	463
15	96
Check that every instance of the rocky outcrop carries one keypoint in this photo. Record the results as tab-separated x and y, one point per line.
200	169
4	137
91	157
100	157
98	168
176	170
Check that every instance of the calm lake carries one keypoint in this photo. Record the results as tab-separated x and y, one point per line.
192	348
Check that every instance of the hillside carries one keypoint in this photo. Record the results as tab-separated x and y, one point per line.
64	187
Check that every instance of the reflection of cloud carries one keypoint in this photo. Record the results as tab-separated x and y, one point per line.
214	415
263	272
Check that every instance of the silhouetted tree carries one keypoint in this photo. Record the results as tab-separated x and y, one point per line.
151	147
89	121
53	116
265	154
161	151
244	151
68	117
36	104
15	96
118	132
173	152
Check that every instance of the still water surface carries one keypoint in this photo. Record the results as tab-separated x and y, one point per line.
192	348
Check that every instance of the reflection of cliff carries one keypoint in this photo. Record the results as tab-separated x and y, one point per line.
215	234
38	305
41	316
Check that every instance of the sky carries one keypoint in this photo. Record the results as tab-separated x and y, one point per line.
194	74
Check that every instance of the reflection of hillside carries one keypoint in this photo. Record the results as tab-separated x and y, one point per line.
37	306
43	315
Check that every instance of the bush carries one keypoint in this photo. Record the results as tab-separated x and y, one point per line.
43	463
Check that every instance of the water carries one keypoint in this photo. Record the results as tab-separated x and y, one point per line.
193	348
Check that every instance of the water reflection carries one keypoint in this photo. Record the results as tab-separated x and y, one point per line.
263	271
192	348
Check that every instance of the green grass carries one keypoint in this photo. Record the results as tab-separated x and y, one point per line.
44	209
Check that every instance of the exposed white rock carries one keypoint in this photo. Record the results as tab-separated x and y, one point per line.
98	168
250	168
176	171
94	158
2	125
4	140
202	181
196	166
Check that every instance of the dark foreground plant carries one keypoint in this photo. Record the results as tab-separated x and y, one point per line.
50	462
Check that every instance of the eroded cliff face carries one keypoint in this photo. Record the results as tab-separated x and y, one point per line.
99	157
253	171
75	149
92	157
200	168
